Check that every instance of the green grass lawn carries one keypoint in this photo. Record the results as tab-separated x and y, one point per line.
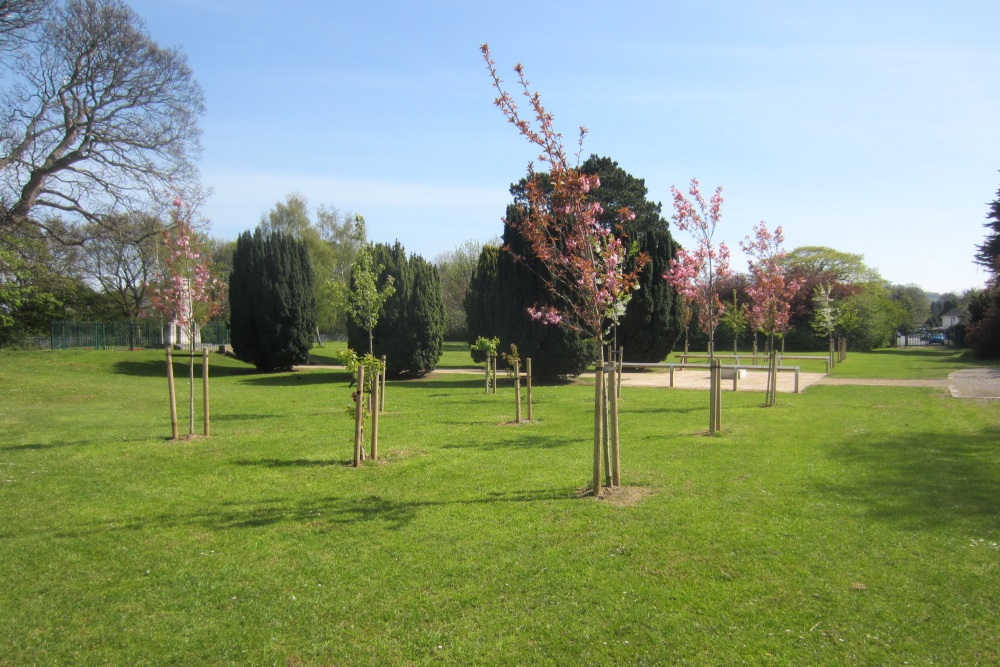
847	526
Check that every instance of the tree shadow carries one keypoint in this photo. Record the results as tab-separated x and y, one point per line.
322	514
523	441
299	378
157	369
922	480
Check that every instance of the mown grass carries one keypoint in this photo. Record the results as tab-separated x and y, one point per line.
849	525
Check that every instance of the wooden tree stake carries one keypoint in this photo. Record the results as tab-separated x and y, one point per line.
173	393
614	387
204	392
598	423
359	415
528	379
375	402
517	391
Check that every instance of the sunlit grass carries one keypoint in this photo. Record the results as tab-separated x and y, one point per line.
849	525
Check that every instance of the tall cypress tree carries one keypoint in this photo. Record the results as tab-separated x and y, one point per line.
272	302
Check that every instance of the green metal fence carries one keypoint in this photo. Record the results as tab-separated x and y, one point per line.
124	335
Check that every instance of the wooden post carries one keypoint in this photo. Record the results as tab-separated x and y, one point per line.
772	380
376	394
618	374
489	361
598	423
494	372
671	376
204	377
517	391
796	379
173	393
528	378
715	395
359	415
381	405
616	472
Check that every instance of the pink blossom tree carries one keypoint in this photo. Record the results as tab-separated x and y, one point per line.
583	263
586	272
771	289
186	294
696	273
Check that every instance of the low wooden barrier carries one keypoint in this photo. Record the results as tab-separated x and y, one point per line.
735	367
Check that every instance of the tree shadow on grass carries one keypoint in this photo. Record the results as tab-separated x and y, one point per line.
922	480
157	369
324	514
299	379
28	447
520	441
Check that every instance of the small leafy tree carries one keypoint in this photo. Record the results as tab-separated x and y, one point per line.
734	321
364	304
824	321
187	294
695	274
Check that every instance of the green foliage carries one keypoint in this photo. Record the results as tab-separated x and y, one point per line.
367	297
870	318
333	240
455	269
272	302
410	329
988	254
734	320
484	348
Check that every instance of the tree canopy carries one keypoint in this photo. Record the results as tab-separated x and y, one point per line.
95	118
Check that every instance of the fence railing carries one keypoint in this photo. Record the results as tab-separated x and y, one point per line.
125	335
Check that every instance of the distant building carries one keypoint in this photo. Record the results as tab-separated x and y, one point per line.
953	317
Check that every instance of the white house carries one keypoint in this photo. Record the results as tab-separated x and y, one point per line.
953	317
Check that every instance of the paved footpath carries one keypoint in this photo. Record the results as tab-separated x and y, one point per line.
982	383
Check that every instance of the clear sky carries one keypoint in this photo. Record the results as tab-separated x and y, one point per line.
871	126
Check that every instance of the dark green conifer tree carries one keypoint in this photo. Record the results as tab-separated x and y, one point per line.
272	301
410	330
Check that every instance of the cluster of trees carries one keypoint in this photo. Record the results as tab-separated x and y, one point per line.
291	278
97	122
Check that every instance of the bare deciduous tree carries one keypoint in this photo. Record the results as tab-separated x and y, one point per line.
96	119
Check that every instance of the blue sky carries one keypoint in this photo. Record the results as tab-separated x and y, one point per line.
869	126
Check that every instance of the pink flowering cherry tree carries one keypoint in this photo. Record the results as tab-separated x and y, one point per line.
186	294
771	289
696	273
585	271
587	277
